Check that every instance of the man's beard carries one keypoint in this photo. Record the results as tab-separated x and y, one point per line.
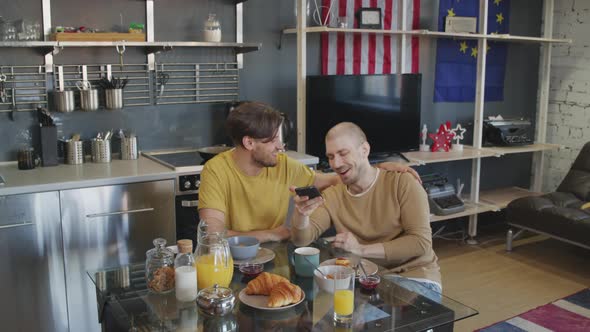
271	162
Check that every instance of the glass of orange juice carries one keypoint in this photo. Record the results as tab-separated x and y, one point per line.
343	295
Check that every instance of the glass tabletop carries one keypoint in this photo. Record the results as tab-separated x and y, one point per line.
390	307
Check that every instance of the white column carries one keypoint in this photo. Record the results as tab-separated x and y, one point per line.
478	113
301	73
543	97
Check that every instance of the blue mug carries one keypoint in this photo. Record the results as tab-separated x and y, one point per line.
306	259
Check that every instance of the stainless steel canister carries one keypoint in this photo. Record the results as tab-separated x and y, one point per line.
114	98
129	148
89	99
101	150
74	152
64	101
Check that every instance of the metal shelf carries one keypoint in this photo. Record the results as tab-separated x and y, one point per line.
45	47
151	47
154	47
240	48
436	34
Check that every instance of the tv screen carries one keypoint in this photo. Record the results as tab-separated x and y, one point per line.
386	107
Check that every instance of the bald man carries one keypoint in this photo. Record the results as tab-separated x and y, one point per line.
377	214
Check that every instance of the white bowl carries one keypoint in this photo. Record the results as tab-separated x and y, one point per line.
328	284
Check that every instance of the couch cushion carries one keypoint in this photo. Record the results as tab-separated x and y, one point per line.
550	214
577	180
564	200
578	183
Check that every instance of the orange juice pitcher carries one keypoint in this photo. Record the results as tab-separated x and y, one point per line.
213	261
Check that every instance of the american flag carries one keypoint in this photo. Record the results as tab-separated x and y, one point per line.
368	53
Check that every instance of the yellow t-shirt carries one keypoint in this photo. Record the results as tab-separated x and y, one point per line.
251	202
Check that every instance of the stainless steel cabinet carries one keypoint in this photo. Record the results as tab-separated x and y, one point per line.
32	275
107	227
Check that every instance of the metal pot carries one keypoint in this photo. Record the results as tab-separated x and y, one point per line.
89	99
64	101
216	301
211	151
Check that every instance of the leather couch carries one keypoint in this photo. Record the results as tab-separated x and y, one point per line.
558	214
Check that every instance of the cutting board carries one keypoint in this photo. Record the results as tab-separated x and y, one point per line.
98	36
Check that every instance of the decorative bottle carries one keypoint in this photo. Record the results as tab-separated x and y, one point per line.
185	272
212	29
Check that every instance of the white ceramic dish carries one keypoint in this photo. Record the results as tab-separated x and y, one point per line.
264	255
370	267
327	284
261	301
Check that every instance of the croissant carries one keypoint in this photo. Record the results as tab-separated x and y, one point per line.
284	293
264	283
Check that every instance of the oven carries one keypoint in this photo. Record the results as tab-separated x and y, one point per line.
186	202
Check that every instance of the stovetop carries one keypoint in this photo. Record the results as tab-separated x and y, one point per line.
178	160
181	159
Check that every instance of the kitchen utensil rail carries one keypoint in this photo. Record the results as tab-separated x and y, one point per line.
23	88
196	81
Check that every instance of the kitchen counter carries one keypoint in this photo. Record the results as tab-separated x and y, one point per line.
303	158
89	174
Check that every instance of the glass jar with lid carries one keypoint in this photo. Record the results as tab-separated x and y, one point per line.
212	29
159	268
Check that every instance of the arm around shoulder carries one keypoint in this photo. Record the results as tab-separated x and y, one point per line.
323	181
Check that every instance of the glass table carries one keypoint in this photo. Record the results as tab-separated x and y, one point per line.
125	304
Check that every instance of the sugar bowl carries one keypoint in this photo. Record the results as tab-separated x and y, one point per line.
216	300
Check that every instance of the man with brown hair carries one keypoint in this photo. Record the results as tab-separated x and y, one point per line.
247	188
377	214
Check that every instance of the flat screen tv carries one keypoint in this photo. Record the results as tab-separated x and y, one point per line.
386	107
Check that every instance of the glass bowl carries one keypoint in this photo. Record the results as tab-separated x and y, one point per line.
369	282
251	270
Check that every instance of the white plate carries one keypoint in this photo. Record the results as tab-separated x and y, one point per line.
264	255
370	267
261	301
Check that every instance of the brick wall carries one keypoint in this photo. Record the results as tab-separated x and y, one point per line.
568	118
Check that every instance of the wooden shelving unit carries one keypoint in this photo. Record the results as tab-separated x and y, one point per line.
423	158
489	200
436	34
501	150
478	201
502	196
471	208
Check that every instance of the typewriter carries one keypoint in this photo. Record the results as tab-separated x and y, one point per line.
506	132
442	198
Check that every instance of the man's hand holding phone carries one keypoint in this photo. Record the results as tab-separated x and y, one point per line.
307	199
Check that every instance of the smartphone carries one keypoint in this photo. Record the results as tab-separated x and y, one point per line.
311	192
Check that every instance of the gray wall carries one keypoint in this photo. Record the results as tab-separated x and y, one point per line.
160	127
269	75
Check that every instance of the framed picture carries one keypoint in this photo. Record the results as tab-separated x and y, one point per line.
369	18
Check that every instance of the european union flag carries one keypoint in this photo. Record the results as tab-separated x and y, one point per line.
456	59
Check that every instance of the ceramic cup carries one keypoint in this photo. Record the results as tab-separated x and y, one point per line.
305	260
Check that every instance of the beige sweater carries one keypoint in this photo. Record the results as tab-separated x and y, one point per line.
394	212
